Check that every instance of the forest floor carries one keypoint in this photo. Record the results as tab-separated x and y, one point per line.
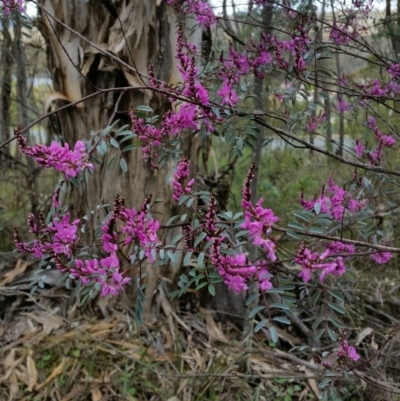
50	353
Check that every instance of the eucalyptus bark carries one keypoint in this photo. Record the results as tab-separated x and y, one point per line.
22	106
7	62
137	32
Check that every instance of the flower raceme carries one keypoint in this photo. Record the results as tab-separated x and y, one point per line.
375	156
123	228
69	162
334	201
313	261
200	8
11	6
179	182
347	351
236	270
258	220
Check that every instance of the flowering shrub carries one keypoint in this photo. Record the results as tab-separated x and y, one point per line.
217	242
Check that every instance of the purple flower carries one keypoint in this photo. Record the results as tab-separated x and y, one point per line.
382	257
179	183
12	5
343	106
346	351
69	162
335	202
229	96
201	9
394	70
359	148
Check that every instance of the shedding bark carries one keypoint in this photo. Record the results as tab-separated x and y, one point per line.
22	99
143	32
7	62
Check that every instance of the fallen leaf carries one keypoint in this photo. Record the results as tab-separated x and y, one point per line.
14	386
366	332
10	364
56	372
32	371
19	268
214	332
96	394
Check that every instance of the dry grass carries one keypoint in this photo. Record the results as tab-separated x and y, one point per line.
44	356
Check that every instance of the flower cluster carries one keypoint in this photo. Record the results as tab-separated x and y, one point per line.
69	162
313	261
10	6
59	237
343	106
342	33
258	220
181	186
394	70
375	156
314	122
124	228
138	228
335	201
235	269
107	274
172	125
347	351
382	257
200	8
191	87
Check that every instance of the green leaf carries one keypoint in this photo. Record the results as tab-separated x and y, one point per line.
145	108
260	325
337	308
332	335
319	334
275	291
280	306
124	166
201	285
171	220
129	147
241	233
199	239
315	297
186	260
292	234
336	295
317	322
274	334
296	225
114	143
255	310
211	290
336	322
282	319
252	298
183	199
173	257
302	216
200	259
237	215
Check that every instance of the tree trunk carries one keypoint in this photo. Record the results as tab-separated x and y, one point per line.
7	62
260	103
145	31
